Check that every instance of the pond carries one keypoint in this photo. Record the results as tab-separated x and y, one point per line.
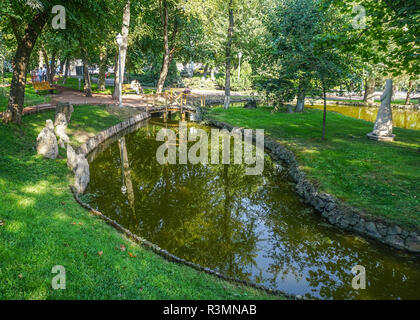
407	119
253	228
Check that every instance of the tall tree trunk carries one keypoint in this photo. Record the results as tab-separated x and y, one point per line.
51	72
206	71
324	119
87	83
67	72
62	63
228	56
102	69
124	33
167	52
409	90
300	105
47	65
369	90
25	45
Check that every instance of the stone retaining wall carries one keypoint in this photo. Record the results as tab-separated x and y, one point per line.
95	141
333	210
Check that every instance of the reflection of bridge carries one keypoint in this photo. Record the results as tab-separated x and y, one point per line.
171	101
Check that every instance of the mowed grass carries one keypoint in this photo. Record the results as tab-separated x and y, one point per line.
73	83
381	179
42	226
31	97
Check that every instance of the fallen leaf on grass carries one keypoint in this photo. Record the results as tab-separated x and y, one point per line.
1	223
141	289
100	253
131	255
20	276
122	247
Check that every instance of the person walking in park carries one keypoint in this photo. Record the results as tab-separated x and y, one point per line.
40	74
44	73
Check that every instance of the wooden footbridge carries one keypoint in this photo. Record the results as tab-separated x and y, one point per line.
172	101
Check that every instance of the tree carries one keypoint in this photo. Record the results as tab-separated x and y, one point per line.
28	19
293	28
390	36
124	33
27	24
228	54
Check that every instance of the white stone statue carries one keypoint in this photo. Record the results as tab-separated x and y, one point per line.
60	130
46	142
382	131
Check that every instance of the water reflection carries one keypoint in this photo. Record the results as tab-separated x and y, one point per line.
249	227
401	118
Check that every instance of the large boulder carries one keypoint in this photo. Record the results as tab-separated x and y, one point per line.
60	130
46	142
81	174
71	158
382	131
66	108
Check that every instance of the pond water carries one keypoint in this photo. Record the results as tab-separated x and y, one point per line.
402	118
249	227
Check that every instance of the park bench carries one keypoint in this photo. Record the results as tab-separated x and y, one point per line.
42	86
126	87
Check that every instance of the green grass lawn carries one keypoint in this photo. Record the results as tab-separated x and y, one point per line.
31	97
382	179
41	226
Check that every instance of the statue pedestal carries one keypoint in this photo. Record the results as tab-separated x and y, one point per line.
375	137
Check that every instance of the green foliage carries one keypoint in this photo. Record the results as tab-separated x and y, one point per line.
245	80
304	56
391	35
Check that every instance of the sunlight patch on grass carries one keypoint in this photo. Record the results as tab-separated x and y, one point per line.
39	188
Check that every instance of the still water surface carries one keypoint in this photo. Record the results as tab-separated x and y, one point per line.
250	227
407	119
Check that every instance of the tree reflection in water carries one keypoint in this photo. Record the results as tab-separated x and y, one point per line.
250	227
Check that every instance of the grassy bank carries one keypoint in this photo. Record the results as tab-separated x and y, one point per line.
42	226
382	179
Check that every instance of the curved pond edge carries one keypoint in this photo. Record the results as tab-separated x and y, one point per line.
95	142
336	212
